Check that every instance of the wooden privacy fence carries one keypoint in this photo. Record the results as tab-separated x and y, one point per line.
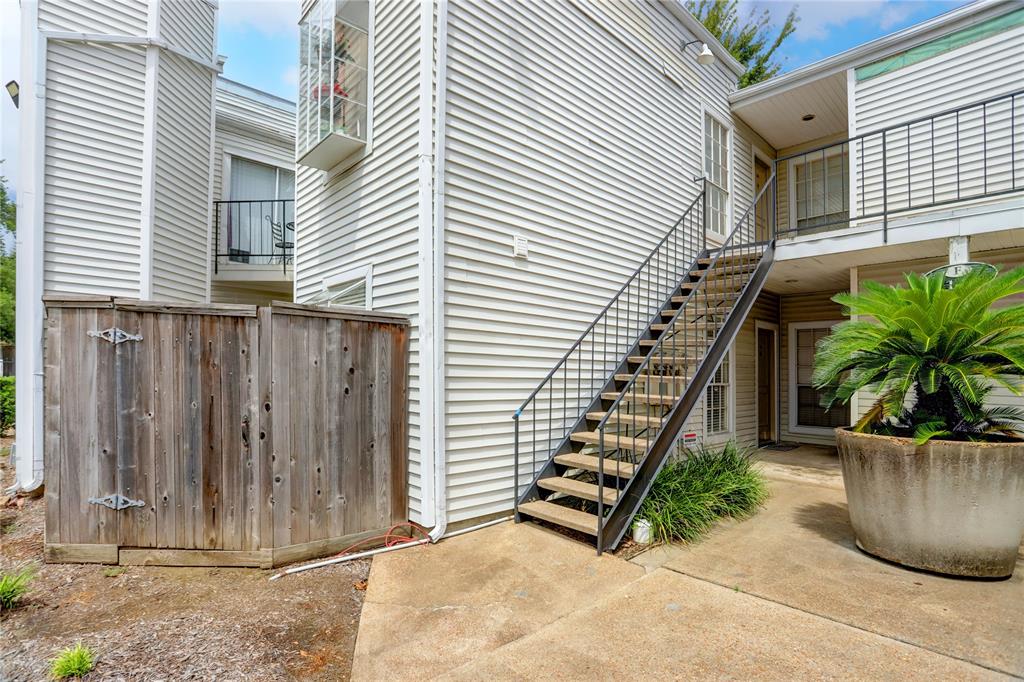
220	434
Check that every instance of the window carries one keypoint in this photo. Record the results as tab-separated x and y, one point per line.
350	288
335	48
716	400
258	220
716	169
806	411
821	187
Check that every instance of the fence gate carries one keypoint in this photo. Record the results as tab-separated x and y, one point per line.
220	434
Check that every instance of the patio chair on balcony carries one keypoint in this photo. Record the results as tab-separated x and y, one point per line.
282	243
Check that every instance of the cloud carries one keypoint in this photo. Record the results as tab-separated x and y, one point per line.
819	18
268	17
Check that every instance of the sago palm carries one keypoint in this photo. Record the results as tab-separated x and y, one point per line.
931	354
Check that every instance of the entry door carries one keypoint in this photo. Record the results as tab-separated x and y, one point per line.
762	211
766	389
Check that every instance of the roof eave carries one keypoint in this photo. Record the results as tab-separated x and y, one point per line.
868	52
691	22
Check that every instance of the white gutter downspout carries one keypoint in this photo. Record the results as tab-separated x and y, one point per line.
430	183
437	289
29	241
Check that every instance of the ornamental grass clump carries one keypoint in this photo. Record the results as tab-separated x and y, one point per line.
691	493
932	353
76	661
13	586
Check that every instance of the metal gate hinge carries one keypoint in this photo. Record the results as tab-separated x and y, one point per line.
116	502
115	335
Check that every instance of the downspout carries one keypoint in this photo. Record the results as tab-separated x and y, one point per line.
437	289
29	240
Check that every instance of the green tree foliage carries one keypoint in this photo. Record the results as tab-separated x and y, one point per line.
932	354
7	267
747	39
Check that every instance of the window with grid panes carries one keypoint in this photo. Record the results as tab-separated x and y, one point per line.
822	196
716	169
716	400
809	411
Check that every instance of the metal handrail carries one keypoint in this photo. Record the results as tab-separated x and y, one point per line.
746	225
253	224
954	149
613	313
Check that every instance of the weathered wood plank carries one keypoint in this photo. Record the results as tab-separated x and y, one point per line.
75	553
248	396
319	548
298	456
195	557
212	446
265	456
167	428
52	399
282	340
318	406
379	418
221	309
230	447
103	426
77	301
333	415
398	454
193	409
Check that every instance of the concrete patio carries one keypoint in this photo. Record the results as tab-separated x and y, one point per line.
780	596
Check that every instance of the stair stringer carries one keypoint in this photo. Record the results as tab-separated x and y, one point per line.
615	525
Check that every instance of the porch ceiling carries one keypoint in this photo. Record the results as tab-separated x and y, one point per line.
777	115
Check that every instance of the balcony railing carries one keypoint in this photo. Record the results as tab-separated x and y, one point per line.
256	232
972	152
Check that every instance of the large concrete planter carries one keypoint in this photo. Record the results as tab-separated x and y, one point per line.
948	507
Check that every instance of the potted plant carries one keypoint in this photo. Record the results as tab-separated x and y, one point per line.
934	471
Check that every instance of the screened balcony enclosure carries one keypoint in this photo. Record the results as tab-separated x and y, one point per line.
334	82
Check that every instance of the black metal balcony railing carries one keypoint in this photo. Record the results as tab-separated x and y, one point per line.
254	232
962	154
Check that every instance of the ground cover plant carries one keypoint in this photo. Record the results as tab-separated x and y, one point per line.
74	661
691	493
13	587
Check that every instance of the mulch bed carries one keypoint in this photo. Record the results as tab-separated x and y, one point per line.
174	623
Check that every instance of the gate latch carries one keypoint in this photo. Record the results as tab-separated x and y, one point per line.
115	335
116	502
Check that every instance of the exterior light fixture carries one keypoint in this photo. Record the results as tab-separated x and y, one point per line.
705	56
807	117
12	90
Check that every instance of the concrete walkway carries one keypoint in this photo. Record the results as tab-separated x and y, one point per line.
783	595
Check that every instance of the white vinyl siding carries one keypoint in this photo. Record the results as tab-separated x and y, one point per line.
970	74
369	214
94	131
539	144
94	16
181	205
189	25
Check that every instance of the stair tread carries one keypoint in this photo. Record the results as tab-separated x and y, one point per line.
645	419
687	342
563	516
580	489
729	258
648	377
611	441
659	359
644	398
578	460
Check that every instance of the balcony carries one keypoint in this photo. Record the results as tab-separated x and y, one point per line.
964	161
254	241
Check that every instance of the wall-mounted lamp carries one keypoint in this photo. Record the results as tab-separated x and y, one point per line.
705	56
12	90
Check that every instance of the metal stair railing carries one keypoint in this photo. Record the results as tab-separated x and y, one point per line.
544	421
695	338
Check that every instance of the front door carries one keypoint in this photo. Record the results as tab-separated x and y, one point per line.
766	388
761	218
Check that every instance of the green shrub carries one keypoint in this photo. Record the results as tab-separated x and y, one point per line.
6	404
75	661
932	354
13	587
691	493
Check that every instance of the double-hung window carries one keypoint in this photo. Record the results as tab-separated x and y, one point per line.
716	400
716	170
349	288
821	188
806	412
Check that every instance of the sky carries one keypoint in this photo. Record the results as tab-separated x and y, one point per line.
260	40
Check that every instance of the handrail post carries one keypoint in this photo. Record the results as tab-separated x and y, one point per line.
515	474
704	214
216	236
600	489
885	192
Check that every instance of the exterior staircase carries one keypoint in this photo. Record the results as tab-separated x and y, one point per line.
592	437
